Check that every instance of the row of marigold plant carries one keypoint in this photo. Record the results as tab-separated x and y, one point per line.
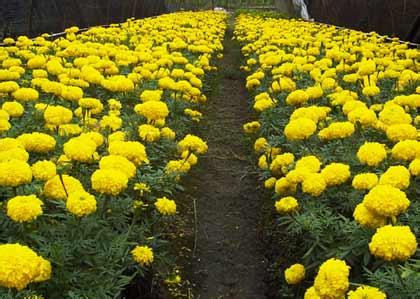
336	139
96	131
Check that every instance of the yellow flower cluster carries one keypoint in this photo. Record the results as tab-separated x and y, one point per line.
345	99
21	266
393	243
332	280
165	206
81	203
85	116
294	274
24	208
143	255
366	292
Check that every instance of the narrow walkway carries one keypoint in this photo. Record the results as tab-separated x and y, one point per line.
229	262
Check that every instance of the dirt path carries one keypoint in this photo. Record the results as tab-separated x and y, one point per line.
228	261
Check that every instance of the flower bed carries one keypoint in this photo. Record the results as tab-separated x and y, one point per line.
336	136
96	131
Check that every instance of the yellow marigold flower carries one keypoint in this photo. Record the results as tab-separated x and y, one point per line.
332	280
328	83
315	92
193	114
148	133
109	181
36	62
132	150
310	163
81	203
114	104
37	142
262	162
401	132
96	137
393	114
17	153
336	173
264	104
39	74
371	91
177	166
24	208
367	67
365	181
396	176
80	149
69	130
14	173
44	271
193	144
57	115
300	128
337	130
386	201
93	105
151	95
366	292
4	115
297	97
142	255
364	116
54	188
294	274
314	184
189	157
252	83
4	125
14	109
142	188
316	113
71	93
118	83
152	110
8	86
166	83
371	153
119	163
393	243
44	170
168	133
280	161
311	294
415	167
270	183
111	121
406	150
286	205
283	186
260	144
297	175
9	143
27	266
165	206
116	136
376	107
366	217
251	127
26	94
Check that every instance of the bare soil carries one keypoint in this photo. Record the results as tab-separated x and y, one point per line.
228	257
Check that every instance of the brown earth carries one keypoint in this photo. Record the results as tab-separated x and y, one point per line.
228	260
